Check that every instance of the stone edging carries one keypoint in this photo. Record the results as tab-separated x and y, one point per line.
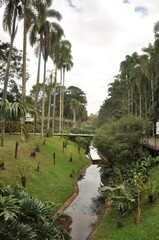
76	190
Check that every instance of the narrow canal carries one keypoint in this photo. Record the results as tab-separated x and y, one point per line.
88	206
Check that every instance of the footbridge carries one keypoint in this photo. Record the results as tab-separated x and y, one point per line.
74	134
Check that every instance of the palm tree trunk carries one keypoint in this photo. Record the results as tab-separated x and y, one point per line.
7	71
24	75
153	104
145	102
60	100
128	101
2	135
43	102
49	107
132	102
5	87
74	117
37	90
140	104
54	104
63	100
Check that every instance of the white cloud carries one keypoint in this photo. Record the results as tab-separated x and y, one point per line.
102	33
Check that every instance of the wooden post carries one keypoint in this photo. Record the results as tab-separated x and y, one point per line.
16	150
54	158
63	146
79	147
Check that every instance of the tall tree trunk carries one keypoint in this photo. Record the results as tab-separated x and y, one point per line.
74	117
49	107
128	101
2	135
54	104
153	104
7	74
145	101
140	103
63	100
60	117
24	74
43	102
37	88
132	100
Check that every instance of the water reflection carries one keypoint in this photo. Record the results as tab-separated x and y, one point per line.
88	206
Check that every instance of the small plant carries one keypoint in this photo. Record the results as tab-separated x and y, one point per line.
23	175
38	166
33	154
2	166
37	149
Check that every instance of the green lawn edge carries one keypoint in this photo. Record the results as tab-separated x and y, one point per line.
147	230
53	182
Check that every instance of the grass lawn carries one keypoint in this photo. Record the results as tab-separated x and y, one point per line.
53	182
148	229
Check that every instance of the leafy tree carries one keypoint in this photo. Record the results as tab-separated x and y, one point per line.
15	72
120	141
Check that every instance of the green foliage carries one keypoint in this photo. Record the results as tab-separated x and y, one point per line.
24	217
120	141
15	65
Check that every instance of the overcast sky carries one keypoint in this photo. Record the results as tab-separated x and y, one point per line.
102	33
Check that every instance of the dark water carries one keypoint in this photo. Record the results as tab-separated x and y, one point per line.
88	206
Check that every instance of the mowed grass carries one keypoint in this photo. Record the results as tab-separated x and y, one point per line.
53	182
147	230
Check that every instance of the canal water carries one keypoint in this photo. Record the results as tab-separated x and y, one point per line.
88	206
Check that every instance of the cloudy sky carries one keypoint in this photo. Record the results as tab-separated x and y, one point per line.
102	33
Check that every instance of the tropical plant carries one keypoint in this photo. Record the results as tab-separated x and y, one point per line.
12	112
23	217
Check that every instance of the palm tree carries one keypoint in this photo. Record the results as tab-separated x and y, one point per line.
29	16
12	14
37	35
67	65
55	56
13	112
64	64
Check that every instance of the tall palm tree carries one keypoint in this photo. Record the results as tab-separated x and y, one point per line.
64	64
126	68
29	16
55	56
11	17
37	35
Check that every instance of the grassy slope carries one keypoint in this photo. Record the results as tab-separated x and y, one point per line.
148	229
52	183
